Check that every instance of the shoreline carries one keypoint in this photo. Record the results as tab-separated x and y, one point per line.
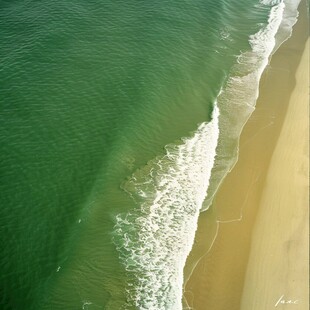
278	263
217	280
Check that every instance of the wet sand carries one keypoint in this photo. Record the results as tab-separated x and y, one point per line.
223	276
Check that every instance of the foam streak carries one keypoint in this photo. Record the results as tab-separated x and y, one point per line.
154	241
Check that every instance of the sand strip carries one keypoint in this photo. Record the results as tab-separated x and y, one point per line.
217	282
277	272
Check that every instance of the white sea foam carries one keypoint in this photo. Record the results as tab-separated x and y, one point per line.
289	19
270	2
263	41
154	240
238	99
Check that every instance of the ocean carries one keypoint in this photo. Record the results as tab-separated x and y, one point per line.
119	121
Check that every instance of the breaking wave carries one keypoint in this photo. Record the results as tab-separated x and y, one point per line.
155	239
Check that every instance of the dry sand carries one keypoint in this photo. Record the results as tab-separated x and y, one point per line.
219	281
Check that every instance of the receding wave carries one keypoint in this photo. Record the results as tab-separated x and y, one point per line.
238	98
155	239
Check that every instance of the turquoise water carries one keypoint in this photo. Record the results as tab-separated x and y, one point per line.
111	115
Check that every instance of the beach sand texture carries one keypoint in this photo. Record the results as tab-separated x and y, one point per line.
219	280
278	263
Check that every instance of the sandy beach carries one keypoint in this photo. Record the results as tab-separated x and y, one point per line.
260	233
278	264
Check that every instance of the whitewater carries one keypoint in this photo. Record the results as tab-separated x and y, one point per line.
155	239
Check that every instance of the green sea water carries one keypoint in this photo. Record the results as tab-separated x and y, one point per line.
90	92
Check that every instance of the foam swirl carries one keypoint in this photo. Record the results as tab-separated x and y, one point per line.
155	239
238	98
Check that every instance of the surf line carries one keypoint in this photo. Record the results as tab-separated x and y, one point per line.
155	239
